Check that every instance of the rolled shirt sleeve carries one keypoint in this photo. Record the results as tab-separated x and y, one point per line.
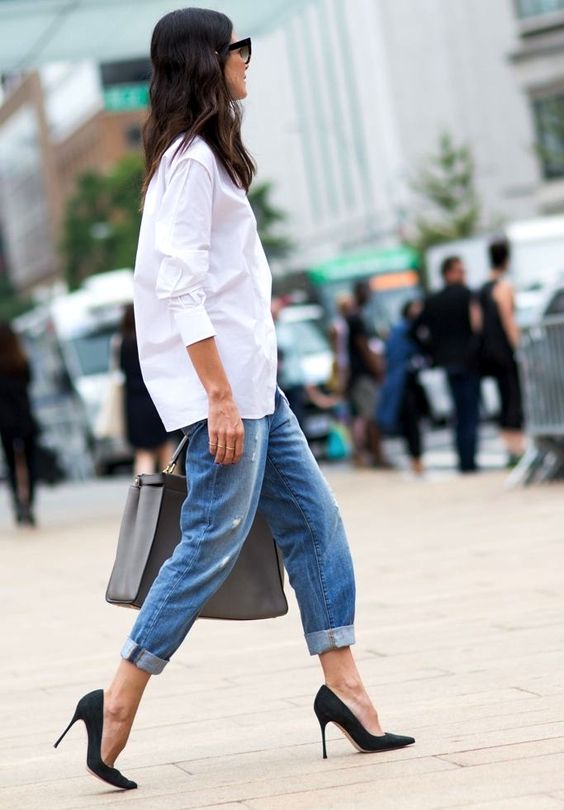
183	232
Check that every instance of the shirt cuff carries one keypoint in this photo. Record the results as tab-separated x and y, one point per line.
194	324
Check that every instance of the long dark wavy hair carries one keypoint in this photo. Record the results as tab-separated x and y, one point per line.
189	94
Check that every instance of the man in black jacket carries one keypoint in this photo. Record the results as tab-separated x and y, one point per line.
449	325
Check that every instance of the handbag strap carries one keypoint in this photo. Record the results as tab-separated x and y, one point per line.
172	463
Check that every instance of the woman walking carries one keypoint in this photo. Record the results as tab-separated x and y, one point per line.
18	429
145	430
208	353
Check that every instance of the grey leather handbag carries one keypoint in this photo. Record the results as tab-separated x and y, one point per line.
149	533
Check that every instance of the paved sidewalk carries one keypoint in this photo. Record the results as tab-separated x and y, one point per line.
460	639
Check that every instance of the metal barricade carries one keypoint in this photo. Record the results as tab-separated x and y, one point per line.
541	360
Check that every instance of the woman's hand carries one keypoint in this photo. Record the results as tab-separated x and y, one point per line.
225	429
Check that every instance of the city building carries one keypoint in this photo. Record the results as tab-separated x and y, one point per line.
56	123
346	102
538	61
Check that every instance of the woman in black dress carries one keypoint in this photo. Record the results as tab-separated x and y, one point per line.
145	430
18	429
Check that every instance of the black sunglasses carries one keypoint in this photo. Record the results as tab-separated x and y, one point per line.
244	48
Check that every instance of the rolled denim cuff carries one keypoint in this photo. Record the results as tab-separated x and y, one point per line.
142	659
324	640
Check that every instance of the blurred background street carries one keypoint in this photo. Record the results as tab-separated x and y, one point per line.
410	200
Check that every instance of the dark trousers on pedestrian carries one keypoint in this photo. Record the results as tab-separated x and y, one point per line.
410	416
465	390
18	453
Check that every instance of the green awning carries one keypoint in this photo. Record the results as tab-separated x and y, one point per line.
366	263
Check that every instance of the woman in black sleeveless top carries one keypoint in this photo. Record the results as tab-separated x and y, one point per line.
499	342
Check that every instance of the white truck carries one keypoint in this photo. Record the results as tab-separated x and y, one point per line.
68	341
537	255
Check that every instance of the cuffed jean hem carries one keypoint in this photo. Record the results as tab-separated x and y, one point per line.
325	640
142	659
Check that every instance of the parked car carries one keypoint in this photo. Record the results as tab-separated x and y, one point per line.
302	340
307	360
540	300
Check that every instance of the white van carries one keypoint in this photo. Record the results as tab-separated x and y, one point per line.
68	341
537	248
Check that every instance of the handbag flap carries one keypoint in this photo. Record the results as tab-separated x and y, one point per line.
163	479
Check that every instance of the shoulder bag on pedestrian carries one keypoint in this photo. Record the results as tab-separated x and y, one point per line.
149	533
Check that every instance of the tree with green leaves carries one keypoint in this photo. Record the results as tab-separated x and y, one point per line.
446	188
101	224
12	303
268	218
102	219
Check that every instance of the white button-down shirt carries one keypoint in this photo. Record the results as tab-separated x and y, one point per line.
200	272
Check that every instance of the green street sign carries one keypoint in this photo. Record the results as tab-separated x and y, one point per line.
123	97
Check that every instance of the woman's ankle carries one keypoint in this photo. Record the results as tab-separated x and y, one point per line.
117	708
346	685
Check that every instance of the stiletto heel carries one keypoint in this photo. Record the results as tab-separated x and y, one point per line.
323	726
90	709
70	725
330	709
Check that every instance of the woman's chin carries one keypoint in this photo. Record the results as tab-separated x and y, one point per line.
240	94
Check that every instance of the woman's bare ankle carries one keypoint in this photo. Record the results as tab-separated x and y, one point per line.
117	709
346	685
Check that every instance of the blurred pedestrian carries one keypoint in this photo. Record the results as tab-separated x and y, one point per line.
339	341
366	371
145	430
18	428
207	345
400	407
450	324
500	340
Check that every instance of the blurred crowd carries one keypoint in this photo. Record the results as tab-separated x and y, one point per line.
375	389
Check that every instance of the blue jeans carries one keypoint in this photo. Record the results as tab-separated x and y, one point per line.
465	389
279	476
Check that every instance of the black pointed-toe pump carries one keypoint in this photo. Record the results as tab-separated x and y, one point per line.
330	709
90	709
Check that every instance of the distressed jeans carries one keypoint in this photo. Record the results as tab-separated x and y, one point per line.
279	476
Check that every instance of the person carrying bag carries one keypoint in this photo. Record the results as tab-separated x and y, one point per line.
207	348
